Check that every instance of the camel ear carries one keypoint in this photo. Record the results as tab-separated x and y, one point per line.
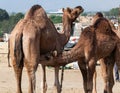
69	10
63	9
78	10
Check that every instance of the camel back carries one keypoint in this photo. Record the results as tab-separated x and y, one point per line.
35	11
38	14
103	25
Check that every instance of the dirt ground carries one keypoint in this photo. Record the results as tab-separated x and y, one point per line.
72	80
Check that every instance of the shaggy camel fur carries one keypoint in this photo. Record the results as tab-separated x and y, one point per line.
34	38
96	42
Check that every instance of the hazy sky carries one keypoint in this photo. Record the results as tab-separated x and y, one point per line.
88	5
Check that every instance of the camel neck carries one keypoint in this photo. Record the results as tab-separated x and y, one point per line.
67	28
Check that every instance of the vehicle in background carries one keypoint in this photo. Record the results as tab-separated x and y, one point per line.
71	43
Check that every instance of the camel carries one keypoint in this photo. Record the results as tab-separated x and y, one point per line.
74	13
104	65
96	42
35	38
1	40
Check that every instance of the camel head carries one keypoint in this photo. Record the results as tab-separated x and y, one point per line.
72	14
76	12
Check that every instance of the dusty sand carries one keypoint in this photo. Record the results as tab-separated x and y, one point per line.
73	82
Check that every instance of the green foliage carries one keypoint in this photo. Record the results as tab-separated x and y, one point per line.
3	15
7	24
56	19
84	14
114	12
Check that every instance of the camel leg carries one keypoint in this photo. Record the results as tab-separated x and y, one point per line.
18	75
110	77
8	60
107	73
83	69
44	79
110	65
90	74
104	73
31	69
62	74
57	83
94	82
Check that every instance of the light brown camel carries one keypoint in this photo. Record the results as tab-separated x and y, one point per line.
34	36
96	42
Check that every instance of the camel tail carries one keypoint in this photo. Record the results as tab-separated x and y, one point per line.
18	50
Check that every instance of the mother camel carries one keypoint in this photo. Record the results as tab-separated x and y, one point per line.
35	35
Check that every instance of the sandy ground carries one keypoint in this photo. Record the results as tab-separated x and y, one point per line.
72	80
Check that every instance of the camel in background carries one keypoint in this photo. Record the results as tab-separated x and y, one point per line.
1	40
35	38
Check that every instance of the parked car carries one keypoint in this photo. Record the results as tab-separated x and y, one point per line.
71	43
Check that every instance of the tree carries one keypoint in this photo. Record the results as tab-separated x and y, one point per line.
114	12
7	24
84	14
3	15
56	19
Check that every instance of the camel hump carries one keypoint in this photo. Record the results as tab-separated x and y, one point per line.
36	12
18	50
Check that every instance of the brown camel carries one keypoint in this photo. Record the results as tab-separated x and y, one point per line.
103	47
96	42
68	17
1	40
107	77
35	37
